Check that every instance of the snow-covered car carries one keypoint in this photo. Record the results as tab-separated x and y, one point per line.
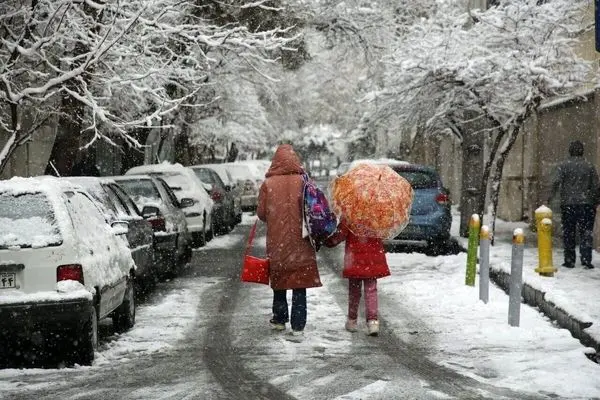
248	180
234	188
192	195
224	209
160	206
62	267
118	206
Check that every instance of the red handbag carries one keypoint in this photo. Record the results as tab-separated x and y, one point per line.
254	269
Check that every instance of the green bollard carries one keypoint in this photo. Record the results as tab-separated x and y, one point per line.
474	224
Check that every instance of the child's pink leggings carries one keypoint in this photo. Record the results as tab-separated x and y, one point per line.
354	289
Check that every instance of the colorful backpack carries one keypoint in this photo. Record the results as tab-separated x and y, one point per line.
320	220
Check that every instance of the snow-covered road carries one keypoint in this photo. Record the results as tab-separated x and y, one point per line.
204	335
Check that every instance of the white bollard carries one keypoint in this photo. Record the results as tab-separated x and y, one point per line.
484	264
516	278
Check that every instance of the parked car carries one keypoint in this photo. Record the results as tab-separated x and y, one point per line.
116	205
224	208
62	267
235	189
160	206
192	195
430	215
247	181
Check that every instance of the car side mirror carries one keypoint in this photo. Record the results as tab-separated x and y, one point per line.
186	202
150	211
228	188
120	227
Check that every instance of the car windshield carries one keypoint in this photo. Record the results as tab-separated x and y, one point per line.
204	175
142	188
418	179
27	220
240	172
177	182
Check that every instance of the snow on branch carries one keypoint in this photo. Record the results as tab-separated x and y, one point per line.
515	54
127	62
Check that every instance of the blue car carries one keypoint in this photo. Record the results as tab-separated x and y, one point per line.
430	216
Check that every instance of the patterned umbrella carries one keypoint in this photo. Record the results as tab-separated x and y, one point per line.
374	200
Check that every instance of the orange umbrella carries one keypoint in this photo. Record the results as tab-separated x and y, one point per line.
374	199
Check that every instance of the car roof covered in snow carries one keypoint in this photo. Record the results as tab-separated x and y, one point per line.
164	167
49	185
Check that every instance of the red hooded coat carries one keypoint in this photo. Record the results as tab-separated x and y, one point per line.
364	257
292	259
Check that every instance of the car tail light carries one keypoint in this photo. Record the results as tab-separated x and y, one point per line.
72	272
158	224
442	199
216	195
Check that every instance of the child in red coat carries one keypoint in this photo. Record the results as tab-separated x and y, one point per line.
364	263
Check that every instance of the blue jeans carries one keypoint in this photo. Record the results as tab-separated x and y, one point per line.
280	308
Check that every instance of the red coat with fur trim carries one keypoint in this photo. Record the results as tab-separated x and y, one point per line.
364	257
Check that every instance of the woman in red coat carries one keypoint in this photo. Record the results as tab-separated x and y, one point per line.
292	259
364	263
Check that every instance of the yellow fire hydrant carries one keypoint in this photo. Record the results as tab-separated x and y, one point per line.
543	223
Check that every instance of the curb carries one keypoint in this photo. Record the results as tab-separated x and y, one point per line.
536	298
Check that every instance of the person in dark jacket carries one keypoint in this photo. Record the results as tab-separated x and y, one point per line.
577	183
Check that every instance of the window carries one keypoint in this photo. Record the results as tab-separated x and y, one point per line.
122	209
170	193
129	204
27	220
419	179
87	219
140	188
204	175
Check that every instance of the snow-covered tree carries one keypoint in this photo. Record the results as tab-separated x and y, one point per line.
486	71
106	67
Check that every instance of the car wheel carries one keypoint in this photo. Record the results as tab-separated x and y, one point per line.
87	342
187	255
124	316
211	232
199	238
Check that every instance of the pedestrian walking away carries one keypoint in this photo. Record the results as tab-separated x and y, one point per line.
292	258
364	263
576	181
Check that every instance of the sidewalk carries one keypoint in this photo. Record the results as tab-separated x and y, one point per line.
571	297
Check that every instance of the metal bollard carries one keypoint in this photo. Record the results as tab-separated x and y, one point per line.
474	224
543	220
484	264
516	278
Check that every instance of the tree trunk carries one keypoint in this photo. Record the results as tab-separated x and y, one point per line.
497	178
472	197
65	152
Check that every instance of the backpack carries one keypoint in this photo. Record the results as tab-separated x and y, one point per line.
321	222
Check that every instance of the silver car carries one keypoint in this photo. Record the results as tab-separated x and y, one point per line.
172	240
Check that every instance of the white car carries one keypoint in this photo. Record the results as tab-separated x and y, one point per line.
62	267
191	193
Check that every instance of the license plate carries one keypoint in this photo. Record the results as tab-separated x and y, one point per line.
8	280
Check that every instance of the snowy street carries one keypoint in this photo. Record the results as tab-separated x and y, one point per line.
205	335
